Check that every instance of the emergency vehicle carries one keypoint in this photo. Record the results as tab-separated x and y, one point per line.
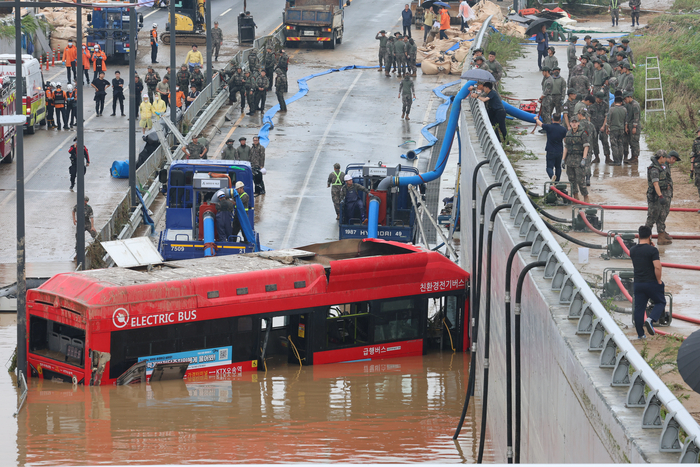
7	132
33	95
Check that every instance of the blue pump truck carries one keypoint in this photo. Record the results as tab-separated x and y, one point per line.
397	216
191	188
109	27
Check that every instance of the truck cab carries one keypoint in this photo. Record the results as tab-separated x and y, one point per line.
318	21
190	187
397	216
109	28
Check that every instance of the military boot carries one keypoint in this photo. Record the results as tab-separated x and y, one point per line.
407	117
403	114
664	239
586	199
607	159
588	180
596	160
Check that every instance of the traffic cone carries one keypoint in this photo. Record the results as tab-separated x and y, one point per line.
53	58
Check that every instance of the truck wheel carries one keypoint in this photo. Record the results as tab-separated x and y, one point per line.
331	45
31	129
339	40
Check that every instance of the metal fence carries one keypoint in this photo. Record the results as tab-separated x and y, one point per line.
648	398
121	224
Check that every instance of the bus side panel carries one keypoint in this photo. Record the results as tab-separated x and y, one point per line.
409	348
465	322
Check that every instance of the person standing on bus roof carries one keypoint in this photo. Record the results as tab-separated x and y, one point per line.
70	58
335	183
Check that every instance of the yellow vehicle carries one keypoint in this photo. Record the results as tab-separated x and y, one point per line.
189	23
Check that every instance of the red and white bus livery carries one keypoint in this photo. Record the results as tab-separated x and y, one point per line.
351	300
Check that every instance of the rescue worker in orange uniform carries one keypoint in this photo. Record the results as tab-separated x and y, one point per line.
59	103
70	58
50	124
179	97
87	56
99	59
154	43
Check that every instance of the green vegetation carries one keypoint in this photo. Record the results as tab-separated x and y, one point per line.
30	25
664	361
686	5
675	39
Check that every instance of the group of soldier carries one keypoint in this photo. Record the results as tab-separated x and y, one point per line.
253	84
397	54
586	102
254	154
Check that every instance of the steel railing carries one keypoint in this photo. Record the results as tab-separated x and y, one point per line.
198	114
605	336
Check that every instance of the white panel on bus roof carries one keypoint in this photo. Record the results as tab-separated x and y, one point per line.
133	252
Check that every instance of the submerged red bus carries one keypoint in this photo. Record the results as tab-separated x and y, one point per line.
343	301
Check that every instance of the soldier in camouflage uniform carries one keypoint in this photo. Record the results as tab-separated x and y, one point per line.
695	159
569	107
270	65
389	57
634	125
480	62
280	87
406	88
547	103
580	83
249	88
229	152
411	52
197	79
658	191
574	159
381	37
550	61
257	161
600	78
236	85
260	95
400	56
152	79
89	218
598	113
494	67
335	183
617	117
182	78
635	6
253	60
626	79
558	90
571	54
195	149
588	130
217	39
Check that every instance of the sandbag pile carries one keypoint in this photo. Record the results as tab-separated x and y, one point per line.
436	58
63	21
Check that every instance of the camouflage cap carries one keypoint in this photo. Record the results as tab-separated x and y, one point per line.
479	57
573	39
625	41
573	119
660	153
382	31
556	68
674	154
571	91
595	40
600	95
583	113
628	94
625	64
588	36
546	68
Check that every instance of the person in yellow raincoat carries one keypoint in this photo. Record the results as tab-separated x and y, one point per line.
146	112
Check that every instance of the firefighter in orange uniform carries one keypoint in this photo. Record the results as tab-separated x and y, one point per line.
59	103
87	56
99	59
70	58
50	124
154	43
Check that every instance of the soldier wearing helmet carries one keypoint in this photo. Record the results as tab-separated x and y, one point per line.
335	183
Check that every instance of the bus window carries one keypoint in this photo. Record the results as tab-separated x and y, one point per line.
56	341
397	320
130	345
347	325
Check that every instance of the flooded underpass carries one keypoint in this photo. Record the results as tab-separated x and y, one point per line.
396	410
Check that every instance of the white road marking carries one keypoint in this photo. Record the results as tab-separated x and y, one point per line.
146	16
292	221
46	160
222	14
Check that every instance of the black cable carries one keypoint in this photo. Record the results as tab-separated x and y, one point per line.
518	388
531	193
475	280
509	365
572	239
487	330
548	215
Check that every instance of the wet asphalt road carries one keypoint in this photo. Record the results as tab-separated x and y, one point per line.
50	231
347	117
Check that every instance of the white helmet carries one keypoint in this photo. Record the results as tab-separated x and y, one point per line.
56	84
70	87
155	25
53	84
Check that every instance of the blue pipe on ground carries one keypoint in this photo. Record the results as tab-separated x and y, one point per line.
373	218
209	232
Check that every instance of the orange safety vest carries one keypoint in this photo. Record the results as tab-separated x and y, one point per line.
154	36
59	99
101	55
179	98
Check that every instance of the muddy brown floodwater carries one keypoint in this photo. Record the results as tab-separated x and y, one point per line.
399	410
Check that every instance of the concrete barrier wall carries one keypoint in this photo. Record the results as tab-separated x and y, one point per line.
570	410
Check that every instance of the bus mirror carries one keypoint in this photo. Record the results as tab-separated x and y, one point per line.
163	176
89	17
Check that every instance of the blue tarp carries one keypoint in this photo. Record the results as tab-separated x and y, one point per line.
120	169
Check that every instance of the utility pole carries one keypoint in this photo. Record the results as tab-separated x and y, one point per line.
80	147
173	65
207	20
133	99
21	247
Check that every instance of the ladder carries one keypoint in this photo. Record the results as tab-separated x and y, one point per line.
654	93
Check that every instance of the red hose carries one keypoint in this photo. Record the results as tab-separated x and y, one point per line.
603	234
624	247
624	208
666	265
629	298
590	226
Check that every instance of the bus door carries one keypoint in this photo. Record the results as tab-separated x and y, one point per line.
284	335
299	329
452	314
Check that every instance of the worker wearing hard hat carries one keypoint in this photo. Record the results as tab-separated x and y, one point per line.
154	43
354	200
245	199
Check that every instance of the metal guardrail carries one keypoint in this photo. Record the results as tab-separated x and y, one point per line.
215	96
605	336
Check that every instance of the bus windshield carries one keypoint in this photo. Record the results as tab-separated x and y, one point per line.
57	341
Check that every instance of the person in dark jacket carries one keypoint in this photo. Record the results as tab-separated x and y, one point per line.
407	19
542	45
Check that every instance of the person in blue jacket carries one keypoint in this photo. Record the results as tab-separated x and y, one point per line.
542	45
407	17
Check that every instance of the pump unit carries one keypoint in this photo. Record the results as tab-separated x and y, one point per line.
591	214
610	287
614	250
552	198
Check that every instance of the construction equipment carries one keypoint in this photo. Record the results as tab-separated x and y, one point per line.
654	91
108	27
189	24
